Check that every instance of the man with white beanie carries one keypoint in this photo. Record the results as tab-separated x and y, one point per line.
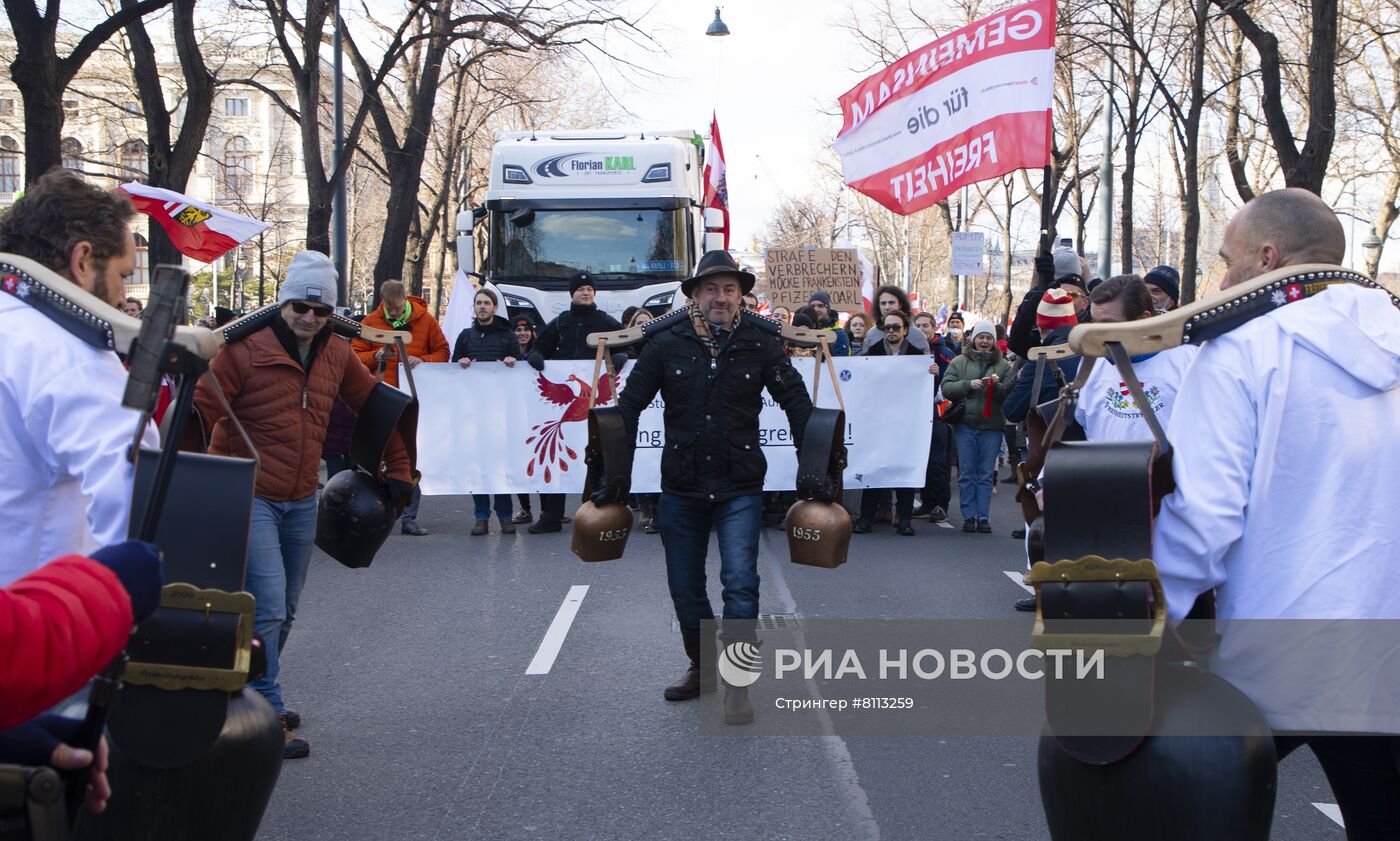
281	382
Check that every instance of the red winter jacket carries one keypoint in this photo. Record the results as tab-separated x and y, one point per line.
59	626
286	409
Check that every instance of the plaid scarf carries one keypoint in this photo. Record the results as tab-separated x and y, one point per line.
706	335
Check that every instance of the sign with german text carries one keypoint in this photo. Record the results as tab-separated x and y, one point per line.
493	429
972	105
795	273
968	248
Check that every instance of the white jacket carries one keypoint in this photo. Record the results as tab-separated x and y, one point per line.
66	484
1286	503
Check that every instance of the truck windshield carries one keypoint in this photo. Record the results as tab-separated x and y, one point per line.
620	248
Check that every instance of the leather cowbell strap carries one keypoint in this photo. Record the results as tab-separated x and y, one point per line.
607	456
822	462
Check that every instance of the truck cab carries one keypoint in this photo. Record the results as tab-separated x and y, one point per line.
623	206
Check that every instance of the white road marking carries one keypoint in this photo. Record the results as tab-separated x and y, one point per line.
558	630
1331	810
1016	576
945	525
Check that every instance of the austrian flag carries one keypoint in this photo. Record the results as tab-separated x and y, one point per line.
199	231
972	105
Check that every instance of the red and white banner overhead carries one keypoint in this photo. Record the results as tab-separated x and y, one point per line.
972	105
716	185
199	231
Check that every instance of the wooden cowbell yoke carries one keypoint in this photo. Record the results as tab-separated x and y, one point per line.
822	524
1159	748
193	754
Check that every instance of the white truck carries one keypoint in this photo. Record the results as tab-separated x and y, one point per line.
622	205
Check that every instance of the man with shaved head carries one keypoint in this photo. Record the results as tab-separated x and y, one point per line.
1285	504
1288	227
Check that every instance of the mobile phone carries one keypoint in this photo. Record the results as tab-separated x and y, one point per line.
1067	243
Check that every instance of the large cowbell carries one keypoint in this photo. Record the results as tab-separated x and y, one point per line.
818	526
601	528
1123	758
354	516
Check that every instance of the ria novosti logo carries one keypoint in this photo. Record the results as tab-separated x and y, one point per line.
740	664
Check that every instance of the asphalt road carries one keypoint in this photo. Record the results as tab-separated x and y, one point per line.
411	680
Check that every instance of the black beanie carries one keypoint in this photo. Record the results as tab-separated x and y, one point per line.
581	279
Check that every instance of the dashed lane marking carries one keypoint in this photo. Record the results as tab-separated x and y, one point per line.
558	630
1331	810
1016	576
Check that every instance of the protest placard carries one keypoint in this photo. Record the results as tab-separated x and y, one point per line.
795	273
967	253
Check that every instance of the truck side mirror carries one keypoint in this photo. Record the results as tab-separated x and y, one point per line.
466	251
714	218
714	242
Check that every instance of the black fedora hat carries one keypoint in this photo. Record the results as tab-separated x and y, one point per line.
713	263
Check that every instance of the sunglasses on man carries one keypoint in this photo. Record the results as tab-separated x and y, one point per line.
895	327
302	308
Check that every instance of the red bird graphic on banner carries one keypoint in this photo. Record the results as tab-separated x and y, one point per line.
548	438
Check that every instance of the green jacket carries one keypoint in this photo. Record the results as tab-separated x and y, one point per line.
957	386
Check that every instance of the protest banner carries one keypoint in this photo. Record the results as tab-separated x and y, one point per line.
795	273
972	105
493	429
968	248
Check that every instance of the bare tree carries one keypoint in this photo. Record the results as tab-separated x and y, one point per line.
1305	167
42	75
170	163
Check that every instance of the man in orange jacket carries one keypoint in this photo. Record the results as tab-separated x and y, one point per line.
400	311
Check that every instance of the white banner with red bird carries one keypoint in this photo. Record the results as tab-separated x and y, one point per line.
493	429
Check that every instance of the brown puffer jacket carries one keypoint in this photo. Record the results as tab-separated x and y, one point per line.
428	344
285	409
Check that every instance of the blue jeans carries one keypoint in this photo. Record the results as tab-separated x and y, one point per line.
279	552
977	470
685	534
483	506
410	511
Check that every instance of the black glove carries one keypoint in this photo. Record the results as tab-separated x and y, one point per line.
619	359
137	565
398	491
32	743
535	360
1045	269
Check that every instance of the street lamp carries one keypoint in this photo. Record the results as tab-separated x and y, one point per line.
717	27
1372	245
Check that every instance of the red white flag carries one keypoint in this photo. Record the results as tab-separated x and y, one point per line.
972	105
199	231
716	187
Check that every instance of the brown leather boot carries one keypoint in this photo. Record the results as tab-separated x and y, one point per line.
737	709
692	683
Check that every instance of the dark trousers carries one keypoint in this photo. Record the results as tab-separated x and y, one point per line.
524	502
1364	772
938	478
551	508
685	533
903	504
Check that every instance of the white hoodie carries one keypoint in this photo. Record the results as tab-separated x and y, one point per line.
1286	467
64	436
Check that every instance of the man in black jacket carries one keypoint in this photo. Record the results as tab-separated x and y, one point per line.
566	337
711	366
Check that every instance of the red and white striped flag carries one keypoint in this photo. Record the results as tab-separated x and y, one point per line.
199	231
716	186
970	106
